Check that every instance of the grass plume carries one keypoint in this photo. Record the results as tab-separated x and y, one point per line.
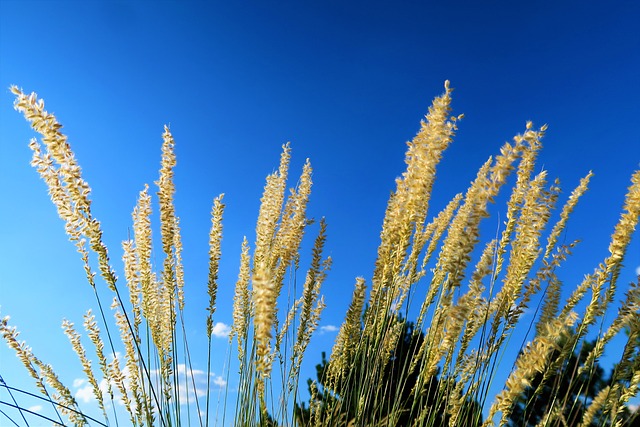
469	295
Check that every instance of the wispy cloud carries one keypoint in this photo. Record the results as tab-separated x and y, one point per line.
328	328
219	381
192	384
35	408
84	390
84	393
221	330
638	270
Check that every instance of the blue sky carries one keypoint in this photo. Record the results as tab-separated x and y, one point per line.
346	82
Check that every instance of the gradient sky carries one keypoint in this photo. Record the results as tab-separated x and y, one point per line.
346	82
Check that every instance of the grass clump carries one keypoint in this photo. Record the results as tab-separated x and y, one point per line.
468	297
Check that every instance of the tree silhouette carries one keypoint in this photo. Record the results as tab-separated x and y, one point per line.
568	389
563	387
398	397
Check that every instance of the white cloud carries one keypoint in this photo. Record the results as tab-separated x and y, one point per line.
192	384
84	393
221	330
35	408
182	369
638	270
190	377
328	328
219	381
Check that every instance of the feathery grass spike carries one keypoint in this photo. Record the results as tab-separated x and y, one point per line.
471	298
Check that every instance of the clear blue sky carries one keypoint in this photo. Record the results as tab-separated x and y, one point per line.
346	82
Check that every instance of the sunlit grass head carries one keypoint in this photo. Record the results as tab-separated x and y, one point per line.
423	340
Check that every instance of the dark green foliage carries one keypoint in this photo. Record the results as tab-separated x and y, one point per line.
398	385
574	392
565	387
